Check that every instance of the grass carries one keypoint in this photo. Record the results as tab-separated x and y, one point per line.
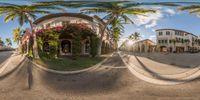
67	64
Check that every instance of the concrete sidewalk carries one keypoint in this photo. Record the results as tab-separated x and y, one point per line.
182	60
145	73
11	64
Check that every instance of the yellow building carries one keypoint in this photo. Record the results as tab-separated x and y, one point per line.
144	46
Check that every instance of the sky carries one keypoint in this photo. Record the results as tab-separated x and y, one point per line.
166	17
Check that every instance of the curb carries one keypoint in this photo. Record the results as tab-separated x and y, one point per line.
70	72
149	79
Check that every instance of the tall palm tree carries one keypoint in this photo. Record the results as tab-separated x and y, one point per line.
114	10
26	14
1	42
8	42
135	36
16	35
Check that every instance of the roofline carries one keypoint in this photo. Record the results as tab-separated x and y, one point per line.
175	30
50	16
145	40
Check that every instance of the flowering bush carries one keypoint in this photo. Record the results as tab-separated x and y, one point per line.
79	31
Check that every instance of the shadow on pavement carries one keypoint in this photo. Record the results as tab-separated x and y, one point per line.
102	79
156	75
13	70
114	61
157	58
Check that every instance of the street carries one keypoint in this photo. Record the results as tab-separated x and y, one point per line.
112	81
4	55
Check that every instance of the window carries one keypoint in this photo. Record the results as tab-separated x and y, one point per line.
87	46
176	33
170	41
159	41
165	41
46	47
160	33
167	33
65	23
48	25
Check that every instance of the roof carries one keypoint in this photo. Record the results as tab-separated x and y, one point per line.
175	30
78	15
146	40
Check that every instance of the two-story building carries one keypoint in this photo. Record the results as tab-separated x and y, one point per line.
173	40
60	20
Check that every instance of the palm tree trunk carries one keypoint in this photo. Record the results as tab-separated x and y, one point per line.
35	46
102	35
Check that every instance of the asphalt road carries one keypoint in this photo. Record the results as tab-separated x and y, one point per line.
4	55
105	83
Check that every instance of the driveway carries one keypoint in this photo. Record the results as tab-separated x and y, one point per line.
112	81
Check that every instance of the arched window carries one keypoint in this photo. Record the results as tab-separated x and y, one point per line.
87	46
66	46
46	47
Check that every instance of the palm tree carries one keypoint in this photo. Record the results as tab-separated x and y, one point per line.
1	42
26	14
135	36
8	42
16	35
114	10
191	9
116	28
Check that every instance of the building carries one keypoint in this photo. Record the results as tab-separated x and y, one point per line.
141	46
61	20
173	40
144	46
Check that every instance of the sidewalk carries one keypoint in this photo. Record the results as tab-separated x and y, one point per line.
183	60
11	64
156	67
145	72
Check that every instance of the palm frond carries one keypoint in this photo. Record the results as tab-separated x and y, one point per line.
136	11
94	10
195	11
9	17
21	19
189	7
127	19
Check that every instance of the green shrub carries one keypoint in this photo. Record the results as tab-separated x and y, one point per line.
94	41
76	45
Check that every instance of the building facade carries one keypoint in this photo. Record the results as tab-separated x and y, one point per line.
141	46
173	40
65	39
144	46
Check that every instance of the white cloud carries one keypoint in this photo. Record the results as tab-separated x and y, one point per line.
138	29
142	37
152	24
152	37
150	20
170	11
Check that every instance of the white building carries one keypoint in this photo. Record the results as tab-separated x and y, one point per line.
141	46
66	38
144	46
173	40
